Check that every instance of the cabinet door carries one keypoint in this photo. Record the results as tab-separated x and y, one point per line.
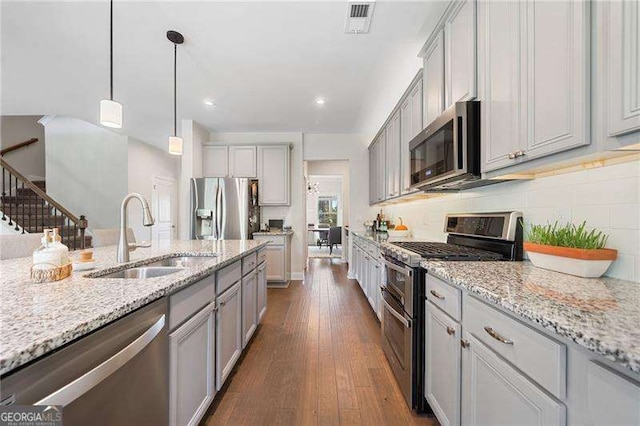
495	393
393	155
372	174
623	73
434	80
275	263
249	306
262	291
557	76
215	161
376	283
442	368
191	371
410	125
501	83
242	162
612	399
381	170
273	173
228	332
460	56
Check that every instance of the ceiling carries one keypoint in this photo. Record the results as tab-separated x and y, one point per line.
263	63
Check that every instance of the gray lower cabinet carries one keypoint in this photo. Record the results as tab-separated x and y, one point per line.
261	305
442	369
192	368
228	332
495	393
249	306
611	398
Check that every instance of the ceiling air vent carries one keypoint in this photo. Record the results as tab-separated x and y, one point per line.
358	17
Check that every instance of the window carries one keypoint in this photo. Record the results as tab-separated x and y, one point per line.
327	210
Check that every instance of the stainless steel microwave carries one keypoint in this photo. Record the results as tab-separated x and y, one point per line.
446	155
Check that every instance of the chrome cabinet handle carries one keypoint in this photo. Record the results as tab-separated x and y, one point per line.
491	332
439	296
451	331
83	384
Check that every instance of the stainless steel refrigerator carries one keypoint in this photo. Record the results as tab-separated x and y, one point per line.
224	208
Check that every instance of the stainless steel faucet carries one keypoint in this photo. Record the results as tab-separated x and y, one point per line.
147	220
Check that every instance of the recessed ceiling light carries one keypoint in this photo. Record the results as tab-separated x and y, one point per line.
320	101
208	102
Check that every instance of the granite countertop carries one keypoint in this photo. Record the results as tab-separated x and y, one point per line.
379	237
275	232
600	314
38	318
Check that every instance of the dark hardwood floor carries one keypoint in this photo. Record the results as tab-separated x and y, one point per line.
315	359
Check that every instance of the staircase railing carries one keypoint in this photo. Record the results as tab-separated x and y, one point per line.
7	150
23	198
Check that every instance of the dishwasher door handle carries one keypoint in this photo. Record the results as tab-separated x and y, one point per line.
83	384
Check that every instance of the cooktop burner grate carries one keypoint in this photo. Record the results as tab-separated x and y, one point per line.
447	251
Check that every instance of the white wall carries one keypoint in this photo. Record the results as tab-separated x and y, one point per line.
193	136
86	169
144	163
14	129
608	198
293	215
332	169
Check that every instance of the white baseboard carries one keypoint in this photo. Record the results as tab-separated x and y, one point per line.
298	276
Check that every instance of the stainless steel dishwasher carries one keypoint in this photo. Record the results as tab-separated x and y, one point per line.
117	375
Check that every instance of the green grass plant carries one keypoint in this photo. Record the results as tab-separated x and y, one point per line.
568	235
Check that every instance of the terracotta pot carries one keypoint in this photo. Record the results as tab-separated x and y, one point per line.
568	260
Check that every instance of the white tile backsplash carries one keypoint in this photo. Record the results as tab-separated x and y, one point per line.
608	198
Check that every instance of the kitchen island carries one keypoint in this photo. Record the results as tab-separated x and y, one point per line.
39	318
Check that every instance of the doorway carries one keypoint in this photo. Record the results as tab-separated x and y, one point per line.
164	208
327	207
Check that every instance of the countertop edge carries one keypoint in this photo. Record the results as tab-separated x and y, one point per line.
618	356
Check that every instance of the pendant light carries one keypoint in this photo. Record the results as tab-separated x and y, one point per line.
110	110
175	142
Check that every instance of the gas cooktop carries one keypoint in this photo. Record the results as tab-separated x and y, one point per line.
446	251
471	236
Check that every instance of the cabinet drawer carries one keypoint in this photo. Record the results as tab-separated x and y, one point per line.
190	300
444	296
538	356
262	256
228	276
249	263
273	240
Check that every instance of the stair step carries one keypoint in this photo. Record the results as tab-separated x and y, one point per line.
20	199
25	209
26	192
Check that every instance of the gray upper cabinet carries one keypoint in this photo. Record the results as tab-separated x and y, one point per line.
501	84
623	71
381	172
534	78
433	74
392	132
274	175
410	125
460	52
373	163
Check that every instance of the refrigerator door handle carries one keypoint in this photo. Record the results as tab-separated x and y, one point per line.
218	231
223	213
195	202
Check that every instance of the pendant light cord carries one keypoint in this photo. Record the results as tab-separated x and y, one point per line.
175	91
111	49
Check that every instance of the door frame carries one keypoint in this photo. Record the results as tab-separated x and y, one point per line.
174	204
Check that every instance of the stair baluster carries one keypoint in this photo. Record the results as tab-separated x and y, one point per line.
10	222
4	216
17	198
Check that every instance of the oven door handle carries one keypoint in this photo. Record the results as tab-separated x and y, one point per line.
393	312
405	271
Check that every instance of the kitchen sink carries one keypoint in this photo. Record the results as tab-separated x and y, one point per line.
143	272
181	261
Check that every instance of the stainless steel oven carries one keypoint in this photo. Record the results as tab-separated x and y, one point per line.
446	155
398	324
